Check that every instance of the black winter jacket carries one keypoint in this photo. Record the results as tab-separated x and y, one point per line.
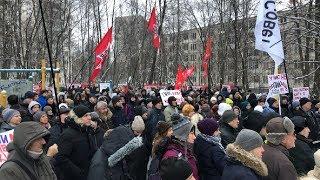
228	134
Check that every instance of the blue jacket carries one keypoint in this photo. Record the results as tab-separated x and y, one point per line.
42	101
211	159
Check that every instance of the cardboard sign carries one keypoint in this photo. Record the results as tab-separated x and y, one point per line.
165	94
300	92
5	139
277	84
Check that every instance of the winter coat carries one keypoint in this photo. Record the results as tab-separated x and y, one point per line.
42	101
243	165
116	144
168	111
118	118
312	123
40	168
175	148
25	116
302	155
211	159
106	123
55	132
279	166
96	139
129	112
5	127
268	111
154	117
73	158
228	134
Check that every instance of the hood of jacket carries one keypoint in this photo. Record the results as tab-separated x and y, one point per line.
25	133
5	127
247	159
31	104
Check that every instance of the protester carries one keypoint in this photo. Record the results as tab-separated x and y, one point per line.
209	151
34	107
27	159
96	133
73	159
58	126
228	126
280	138
302	154
196	117
170	109
315	173
245	157
105	115
273	107
42	100
11	118
118	118
164	130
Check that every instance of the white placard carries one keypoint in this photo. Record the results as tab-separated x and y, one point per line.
5	139
277	84
104	86
165	94
300	92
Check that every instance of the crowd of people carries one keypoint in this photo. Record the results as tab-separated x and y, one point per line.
128	134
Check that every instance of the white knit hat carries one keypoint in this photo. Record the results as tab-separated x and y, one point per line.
223	107
138	124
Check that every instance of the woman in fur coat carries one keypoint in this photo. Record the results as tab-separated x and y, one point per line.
245	158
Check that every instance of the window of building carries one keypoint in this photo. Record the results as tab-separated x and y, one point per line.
192	57
185	47
194	35
193	46
185	36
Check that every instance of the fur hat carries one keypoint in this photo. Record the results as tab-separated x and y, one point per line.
277	128
228	116
299	123
208	126
182	128
175	168
248	140
8	114
163	127
81	110
138	124
223	107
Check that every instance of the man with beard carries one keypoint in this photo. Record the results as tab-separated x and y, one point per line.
118	117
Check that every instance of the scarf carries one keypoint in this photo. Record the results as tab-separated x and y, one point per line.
213	139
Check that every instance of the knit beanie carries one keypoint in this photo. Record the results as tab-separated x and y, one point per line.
63	105
174	169
37	116
299	123
31	104
277	128
115	99
229	101
8	114
95	117
223	107
163	127
138	124
248	139
81	110
181	129
228	116
208	126
304	101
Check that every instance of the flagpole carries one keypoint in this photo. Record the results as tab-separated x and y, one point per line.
49	54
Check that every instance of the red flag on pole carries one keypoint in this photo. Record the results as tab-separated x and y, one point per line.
152	28
101	54
188	72
182	76
206	56
152	21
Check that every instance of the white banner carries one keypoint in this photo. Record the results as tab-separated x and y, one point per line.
105	85
300	92
165	94
267	31
277	84
5	139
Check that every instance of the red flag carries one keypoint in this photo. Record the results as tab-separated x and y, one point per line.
152	21
156	41
206	56
179	78
101	53
188	72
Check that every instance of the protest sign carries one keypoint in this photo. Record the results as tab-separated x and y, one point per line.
5	139
165	94
105	86
277	84
16	86
300	92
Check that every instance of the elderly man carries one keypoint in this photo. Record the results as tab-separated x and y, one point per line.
280	137
105	115
27	160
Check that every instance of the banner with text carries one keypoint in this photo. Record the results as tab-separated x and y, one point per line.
277	84
165	94
300	92
5	139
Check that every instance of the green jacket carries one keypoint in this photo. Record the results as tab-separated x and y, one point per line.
25	133
168	111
